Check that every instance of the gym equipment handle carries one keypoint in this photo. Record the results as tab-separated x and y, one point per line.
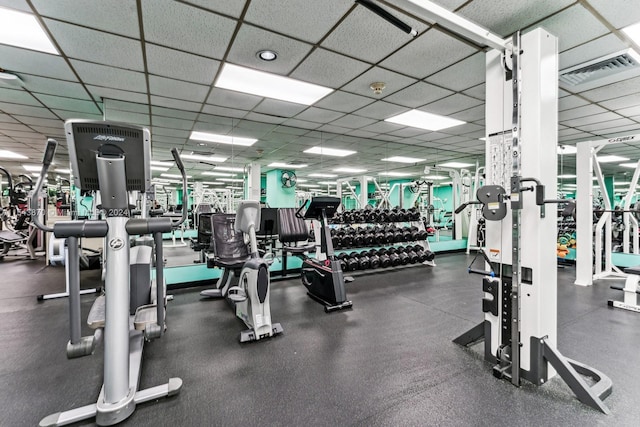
464	205
481	272
180	165
49	152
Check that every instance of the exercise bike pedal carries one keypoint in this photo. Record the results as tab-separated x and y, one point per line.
236	294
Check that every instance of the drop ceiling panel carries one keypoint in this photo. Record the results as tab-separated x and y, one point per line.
579	17
226	7
622	102
124	95
102	75
177	89
59	102
279	108
176	133
224	111
54	87
16	127
462	75
5	118
97	46
319	115
451	104
569	102
16	4
631	111
506	18
381	110
37	121
180	65
66	115
343	101
393	82
307	20
258	117
594	49
591	119
128	117
619	13
181	26
101	15
110	104
170	112
175	103
575	113
418	94
231	99
172	123
250	40
31	62
329	69
368	37
382	128
26	110
614	90
470	114
352	121
16	96
427	54
611	125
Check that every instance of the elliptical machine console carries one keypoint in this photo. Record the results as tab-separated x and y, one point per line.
322	276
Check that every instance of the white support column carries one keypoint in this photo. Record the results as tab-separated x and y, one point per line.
253	182
364	192
584	219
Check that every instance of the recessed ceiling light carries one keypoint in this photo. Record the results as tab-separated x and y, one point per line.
203	158
455	165
327	182
611	158
395	173
173	175
159	168
222	139
286	165
23	30
5	154
629	165
566	176
350	170
322	175
229	169
633	31
267	55
230	179
423	120
210	173
32	168
567	149
268	85
434	177
329	151
400	159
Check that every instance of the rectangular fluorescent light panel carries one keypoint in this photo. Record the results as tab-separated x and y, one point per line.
259	83
565	176
400	159
329	151
326	182
456	165
210	173
350	170
222	139
230	179
173	175
309	185
5	154
301	180
203	158
434	177
611	158
159	168
229	169
286	165
629	165
567	149
23	30
423	120
32	168
322	175
213	182
395	173
163	164
67	171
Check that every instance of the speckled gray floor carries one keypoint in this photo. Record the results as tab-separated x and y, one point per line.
389	361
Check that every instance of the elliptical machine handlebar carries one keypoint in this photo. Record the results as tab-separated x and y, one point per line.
49	152
180	165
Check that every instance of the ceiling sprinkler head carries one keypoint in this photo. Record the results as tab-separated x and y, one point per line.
377	87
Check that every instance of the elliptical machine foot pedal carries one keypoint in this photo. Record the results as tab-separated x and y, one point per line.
96	317
145	315
211	293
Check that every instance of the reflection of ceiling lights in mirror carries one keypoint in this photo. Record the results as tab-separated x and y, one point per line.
286	165
611	158
629	165
230	179
164	164
5	154
423	120
32	168
65	171
401	159
308	185
159	168
455	165
173	175
213	182
23	30
566	176
434	177
222	139
350	170
322	175
229	169
329	151
398	174
269	85
200	157
326	182
210	173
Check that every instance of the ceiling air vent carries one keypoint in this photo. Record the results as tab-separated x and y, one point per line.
601	71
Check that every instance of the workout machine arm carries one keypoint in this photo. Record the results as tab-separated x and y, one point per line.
49	152
180	165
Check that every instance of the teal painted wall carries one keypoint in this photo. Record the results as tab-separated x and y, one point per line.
277	196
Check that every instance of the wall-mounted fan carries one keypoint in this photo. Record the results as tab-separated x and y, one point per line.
288	179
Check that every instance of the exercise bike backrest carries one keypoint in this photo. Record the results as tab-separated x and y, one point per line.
248	222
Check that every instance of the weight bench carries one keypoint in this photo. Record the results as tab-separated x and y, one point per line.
9	238
630	301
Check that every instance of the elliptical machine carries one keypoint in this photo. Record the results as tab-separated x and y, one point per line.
245	281
322	276
107	157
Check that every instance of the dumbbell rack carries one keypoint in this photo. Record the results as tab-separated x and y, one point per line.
404	233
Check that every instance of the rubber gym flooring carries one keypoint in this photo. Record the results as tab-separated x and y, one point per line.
388	362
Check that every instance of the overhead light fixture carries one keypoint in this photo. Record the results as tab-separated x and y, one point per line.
301	180
159	168
350	170
213	182
222	139
267	55
567	149
629	165
308	185
434	177
173	175
164	164
10	79
326	182
322	175
32	168
633	32
5	154
324	151
210	173
36	174
268	85
611	158
66	171
23	30
400	159
423	120
566	176
229	169
230	179
287	165
455	165
397	174
203	158
620	183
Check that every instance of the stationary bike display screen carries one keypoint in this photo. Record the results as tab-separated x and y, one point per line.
87	139
318	204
